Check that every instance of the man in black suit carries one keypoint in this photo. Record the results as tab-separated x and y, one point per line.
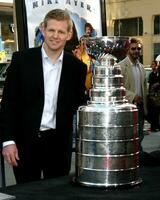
43	89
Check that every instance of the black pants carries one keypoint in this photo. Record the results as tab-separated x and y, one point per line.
153	117
140	125
47	157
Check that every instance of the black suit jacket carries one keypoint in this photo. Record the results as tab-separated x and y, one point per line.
23	97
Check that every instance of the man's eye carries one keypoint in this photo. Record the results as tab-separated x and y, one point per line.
61	32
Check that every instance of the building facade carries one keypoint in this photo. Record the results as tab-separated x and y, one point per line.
136	18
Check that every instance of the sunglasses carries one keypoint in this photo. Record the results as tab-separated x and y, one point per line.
136	48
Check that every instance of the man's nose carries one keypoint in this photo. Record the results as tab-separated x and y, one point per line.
55	34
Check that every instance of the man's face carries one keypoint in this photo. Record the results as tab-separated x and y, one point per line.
134	50
56	34
88	31
154	66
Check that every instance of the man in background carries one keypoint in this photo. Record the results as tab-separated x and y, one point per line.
88	28
135	83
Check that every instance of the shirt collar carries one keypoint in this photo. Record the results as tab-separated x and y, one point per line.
133	64
45	56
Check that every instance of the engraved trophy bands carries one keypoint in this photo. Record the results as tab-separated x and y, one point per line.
107	127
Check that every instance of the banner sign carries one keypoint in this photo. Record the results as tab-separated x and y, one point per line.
81	11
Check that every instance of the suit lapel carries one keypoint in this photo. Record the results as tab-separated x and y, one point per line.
63	80
38	69
130	76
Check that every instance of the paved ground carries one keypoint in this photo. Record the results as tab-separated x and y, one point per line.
151	142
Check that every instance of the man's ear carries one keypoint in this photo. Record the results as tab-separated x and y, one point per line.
42	28
69	36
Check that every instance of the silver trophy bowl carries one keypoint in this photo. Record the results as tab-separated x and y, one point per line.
107	138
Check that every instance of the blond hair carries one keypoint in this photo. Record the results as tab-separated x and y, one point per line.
59	15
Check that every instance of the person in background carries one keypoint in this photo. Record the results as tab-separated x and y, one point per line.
135	83
88	28
153	76
81	53
154	87
43	89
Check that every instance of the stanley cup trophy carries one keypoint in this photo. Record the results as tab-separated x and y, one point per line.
107	140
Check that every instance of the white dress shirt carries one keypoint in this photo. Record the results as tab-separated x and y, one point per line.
51	74
137	77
